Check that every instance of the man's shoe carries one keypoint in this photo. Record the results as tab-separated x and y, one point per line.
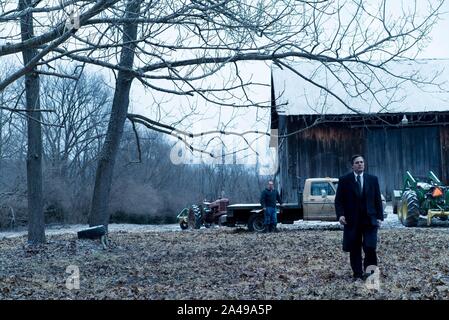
357	276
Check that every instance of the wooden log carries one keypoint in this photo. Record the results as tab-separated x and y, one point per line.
95	232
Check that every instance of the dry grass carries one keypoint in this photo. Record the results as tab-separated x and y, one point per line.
224	264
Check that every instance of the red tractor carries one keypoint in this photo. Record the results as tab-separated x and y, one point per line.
207	214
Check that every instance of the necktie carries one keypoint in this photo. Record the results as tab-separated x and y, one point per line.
359	182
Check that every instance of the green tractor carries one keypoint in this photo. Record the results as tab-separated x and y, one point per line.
426	198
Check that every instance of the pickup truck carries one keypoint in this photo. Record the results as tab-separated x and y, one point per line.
316	202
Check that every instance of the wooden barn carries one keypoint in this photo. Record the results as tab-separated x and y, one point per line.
318	136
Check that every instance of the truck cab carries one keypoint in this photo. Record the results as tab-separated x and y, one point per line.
317	199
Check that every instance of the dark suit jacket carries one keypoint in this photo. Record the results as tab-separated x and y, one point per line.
358	209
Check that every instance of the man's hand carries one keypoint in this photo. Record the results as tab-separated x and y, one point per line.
379	223
342	220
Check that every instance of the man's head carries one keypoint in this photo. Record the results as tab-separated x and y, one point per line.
270	184
358	163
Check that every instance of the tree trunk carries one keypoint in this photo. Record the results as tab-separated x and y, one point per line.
99	213
1	132
36	221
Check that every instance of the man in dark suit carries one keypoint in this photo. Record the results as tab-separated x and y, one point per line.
358	205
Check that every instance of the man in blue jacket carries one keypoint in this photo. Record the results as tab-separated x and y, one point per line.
358	205
268	200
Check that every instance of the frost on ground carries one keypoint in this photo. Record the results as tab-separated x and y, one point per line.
224	263
74	228
391	221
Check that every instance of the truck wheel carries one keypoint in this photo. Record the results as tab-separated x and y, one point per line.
410	209
256	222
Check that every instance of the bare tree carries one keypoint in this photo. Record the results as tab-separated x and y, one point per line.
36	222
80	108
79	111
99	213
31	55
226	33
180	47
155	186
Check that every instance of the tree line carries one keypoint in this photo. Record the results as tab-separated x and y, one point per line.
151	190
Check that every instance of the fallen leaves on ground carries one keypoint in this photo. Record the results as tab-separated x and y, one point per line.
224	263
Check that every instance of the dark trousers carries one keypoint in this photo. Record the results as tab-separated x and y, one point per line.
366	238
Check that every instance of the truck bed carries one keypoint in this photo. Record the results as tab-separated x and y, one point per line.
239	213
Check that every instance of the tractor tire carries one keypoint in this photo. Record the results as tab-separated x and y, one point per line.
256	222
198	217
410	212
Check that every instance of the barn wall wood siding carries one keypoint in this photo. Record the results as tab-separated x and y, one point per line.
316	152
325	151
391	152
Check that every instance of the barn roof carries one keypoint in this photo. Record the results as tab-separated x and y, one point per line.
295	96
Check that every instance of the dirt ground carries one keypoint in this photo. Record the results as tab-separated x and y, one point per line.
223	263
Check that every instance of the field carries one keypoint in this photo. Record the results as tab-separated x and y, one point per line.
223	263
